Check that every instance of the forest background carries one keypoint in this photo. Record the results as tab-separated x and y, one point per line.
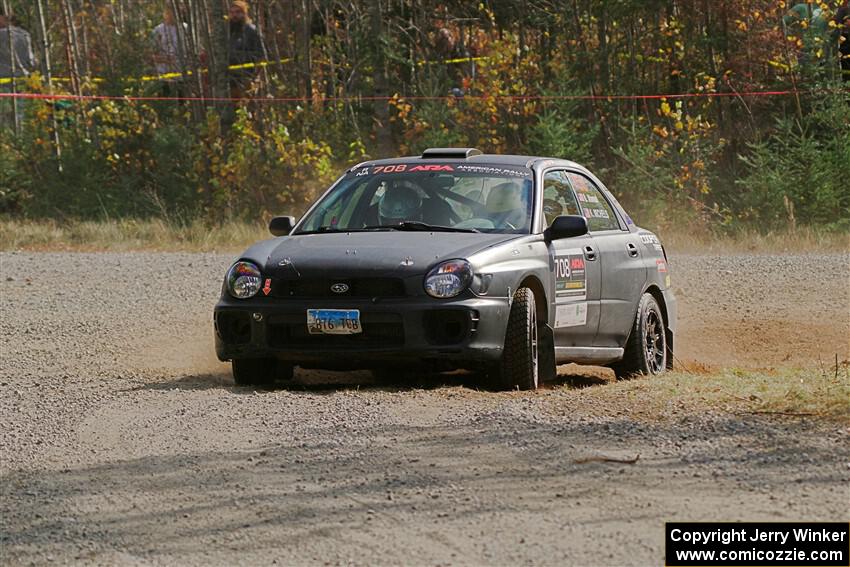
351	80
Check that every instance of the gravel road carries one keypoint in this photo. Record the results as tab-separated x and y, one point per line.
124	442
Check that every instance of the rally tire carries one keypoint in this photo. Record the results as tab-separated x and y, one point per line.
519	367
260	372
646	351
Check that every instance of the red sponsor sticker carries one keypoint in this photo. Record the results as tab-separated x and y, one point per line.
661	265
267	289
432	168
577	264
405	168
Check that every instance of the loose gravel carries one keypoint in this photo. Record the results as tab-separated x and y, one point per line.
124	442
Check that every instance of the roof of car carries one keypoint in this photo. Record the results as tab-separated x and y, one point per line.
456	155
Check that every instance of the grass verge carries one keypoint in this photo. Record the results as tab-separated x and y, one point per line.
823	394
159	234
127	234
744	240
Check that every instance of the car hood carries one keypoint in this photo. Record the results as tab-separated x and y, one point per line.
367	253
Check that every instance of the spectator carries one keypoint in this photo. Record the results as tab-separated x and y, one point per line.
16	62
168	55
445	43
842	23
448	44
245	48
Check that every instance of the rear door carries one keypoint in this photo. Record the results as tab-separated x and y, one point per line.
623	269
575	282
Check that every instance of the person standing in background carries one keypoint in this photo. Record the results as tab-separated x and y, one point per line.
168	55
245	48
16	63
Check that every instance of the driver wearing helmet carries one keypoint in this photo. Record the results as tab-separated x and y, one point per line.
400	202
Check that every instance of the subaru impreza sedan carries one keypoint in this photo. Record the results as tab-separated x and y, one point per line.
504	265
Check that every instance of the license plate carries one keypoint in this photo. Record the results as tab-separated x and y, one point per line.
333	321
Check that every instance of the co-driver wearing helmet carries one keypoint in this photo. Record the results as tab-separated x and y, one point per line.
505	206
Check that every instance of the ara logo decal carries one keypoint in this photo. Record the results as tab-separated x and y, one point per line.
432	168
267	289
576	263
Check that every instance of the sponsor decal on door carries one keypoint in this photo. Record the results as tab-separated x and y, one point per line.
570	277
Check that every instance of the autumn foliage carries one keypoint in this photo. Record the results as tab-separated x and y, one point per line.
351	80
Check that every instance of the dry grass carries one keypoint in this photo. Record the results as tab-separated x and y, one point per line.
822	394
127	234
799	240
156	234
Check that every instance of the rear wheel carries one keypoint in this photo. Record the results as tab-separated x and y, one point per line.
646	350
520	365
260	372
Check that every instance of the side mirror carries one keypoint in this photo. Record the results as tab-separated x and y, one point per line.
281	226
567	226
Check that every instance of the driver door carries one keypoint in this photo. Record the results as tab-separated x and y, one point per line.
575	283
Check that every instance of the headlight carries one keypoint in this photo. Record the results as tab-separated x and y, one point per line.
448	279
244	280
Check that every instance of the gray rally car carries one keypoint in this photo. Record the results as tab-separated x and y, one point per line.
507	265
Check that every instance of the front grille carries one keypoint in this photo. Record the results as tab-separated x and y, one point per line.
363	288
379	329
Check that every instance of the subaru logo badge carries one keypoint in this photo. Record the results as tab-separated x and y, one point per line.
339	288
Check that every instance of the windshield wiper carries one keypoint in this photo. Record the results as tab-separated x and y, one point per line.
414	226
320	230
327	229
408	226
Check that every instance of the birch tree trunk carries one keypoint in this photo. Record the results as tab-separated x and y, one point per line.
383	133
218	37
16	118
48	77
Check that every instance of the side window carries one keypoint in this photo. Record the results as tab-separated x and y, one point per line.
339	210
594	206
558	198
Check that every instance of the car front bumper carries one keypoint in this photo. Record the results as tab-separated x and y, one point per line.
467	332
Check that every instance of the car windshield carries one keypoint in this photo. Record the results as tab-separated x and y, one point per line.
427	196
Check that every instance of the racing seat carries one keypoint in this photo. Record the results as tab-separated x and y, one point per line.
505	206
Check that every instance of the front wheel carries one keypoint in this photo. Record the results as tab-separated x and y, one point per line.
646	350
520	363
260	372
